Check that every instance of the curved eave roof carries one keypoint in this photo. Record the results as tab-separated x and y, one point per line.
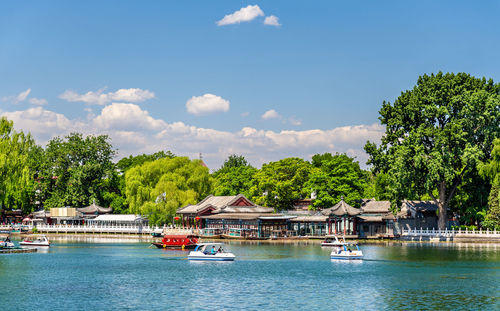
341	209
92	209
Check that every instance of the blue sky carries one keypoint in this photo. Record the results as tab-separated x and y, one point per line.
312	81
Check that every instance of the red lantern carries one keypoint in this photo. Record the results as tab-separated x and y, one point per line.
197	218
176	218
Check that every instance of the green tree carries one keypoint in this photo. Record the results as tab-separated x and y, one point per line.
338	176
471	199
17	168
378	186
234	161
234	177
435	135
158	188
278	184
75	170
128	162
490	171
319	159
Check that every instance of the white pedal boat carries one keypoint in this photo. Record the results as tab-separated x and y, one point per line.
347	251
40	240
211	252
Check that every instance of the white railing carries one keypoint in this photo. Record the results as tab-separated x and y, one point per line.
132	229
450	233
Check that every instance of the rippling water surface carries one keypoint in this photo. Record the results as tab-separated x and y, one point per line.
110	274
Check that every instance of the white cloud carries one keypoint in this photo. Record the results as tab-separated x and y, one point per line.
294	121
42	123
246	14
126	117
270	114
205	104
38	101
16	99
134	131
245	114
272	21
23	95
132	95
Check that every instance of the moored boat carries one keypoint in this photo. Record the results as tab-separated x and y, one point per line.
40	240
211	233
6	243
211	252
333	241
178	242
346	251
236	234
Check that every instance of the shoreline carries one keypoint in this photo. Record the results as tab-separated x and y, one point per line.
305	241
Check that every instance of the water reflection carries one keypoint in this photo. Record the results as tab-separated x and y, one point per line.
39	249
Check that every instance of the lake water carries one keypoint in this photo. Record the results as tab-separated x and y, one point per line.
110	274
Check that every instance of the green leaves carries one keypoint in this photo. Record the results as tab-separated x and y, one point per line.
75	171
338	176
17	168
490	170
157	188
278	184
436	133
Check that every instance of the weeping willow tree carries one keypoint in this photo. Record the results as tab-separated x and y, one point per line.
158	188
17	162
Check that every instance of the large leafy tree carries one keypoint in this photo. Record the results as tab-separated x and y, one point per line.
157	188
76	171
117	198
378	186
435	135
490	170
17	168
335	177
128	162
278	184
234	177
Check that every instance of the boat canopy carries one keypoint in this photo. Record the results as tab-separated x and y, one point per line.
201	246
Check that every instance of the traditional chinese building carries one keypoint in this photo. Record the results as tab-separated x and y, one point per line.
94	210
234	216
342	218
377	220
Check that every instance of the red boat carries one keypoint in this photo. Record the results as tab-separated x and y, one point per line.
178	241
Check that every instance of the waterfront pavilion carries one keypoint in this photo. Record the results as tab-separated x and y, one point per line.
195	215
94	210
118	220
377	220
309	225
342	218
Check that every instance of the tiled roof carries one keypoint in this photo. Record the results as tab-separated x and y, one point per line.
92	209
374	206
223	204
421	206
341	209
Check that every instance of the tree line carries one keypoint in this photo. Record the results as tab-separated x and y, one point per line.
441	143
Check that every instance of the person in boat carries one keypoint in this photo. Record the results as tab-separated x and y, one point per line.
7	239
220	250
213	250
